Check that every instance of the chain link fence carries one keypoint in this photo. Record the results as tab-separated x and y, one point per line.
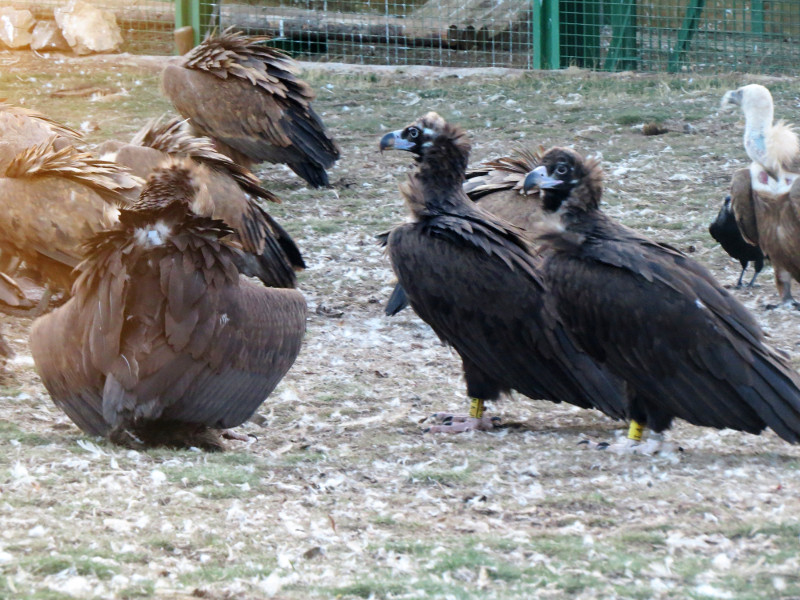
654	35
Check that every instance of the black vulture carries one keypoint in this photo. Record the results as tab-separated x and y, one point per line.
497	185
725	231
765	196
269	251
248	98
163	342
683	344
475	281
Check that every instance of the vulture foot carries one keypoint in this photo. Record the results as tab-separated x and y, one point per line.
230	434
791	303
451	423
655	444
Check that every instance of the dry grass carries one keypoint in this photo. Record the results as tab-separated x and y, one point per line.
342	496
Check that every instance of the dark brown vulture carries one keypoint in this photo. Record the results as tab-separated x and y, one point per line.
725	231
21	128
248	99
474	280
766	196
269	251
163	342
685	347
52	201
497	185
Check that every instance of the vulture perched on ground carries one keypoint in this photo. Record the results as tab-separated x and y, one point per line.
248	99
163	342
765	196
685	347
21	128
269	252
497	185
725	231
52	201
474	280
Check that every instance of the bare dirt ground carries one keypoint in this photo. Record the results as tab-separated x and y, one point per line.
342	496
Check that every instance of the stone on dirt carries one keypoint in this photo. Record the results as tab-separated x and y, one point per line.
87	28
47	36
15	27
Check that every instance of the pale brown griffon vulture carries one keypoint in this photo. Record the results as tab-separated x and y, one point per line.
269	251
766	196
247	97
163	342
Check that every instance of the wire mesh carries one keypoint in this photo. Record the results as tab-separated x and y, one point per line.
652	35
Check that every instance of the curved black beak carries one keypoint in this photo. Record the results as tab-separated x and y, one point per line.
394	139
539	178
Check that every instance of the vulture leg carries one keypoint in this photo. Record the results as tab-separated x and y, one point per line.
758	265
783	281
744	268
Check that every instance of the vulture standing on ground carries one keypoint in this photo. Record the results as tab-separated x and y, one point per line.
685	347
269	252
497	186
163	342
52	201
725	231
248	99
766	196
473	279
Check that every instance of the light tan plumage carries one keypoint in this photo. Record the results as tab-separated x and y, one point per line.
248	98
52	201
163	341
271	254
766	196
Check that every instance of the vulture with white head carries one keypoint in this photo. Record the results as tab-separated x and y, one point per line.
685	347
766	196
248	98
163	342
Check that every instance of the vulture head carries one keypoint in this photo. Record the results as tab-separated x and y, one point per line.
774	146
424	135
564	174
176	186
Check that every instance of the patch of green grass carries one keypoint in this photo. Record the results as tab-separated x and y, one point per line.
632	116
145	589
218	481
439	476
228	572
9	431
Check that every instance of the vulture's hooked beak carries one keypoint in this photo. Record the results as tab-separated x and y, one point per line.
732	97
539	178
394	139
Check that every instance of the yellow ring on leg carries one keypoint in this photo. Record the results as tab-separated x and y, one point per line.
476	408
635	431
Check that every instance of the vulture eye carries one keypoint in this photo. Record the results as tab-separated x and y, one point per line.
561	169
413	133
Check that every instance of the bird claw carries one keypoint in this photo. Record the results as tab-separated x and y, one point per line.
229	434
458	423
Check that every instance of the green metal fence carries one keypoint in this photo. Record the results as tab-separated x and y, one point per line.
652	35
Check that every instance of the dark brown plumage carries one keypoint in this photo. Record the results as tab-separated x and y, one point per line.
725	231
163	340
497	186
474	280
685	347
269	251
51	202
248	99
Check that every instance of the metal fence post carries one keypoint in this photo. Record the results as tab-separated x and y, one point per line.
689	26
189	12
622	52
546	39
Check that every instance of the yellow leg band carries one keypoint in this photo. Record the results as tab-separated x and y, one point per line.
476	408
635	431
